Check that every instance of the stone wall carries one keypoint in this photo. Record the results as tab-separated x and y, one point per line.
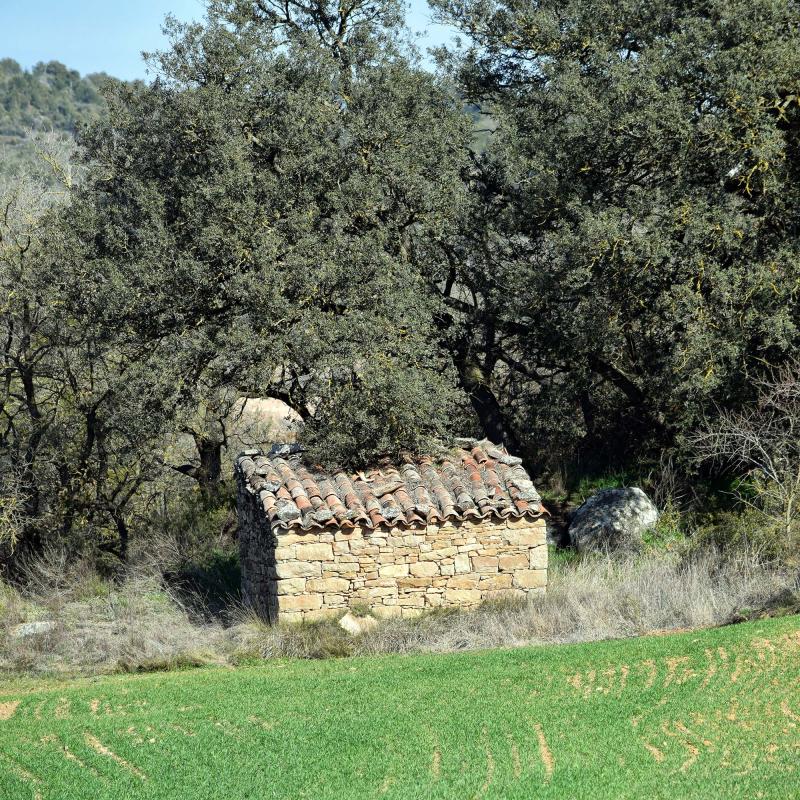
257	546
296	575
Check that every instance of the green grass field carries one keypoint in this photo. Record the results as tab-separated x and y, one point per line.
706	714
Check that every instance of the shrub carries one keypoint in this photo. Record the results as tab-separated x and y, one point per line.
760	447
101	625
750	530
668	532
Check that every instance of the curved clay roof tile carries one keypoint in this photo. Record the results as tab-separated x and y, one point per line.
478	481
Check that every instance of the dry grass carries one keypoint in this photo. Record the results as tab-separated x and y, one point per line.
602	597
137	624
100	626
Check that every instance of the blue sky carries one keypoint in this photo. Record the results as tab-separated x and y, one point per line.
109	35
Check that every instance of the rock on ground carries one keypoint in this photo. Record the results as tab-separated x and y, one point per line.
31	629
355	625
612	519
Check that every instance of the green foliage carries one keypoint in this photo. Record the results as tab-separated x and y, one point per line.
637	208
750	529
295	209
559	557
386	408
195	528
669	532
588	485
254	223
80	412
264	212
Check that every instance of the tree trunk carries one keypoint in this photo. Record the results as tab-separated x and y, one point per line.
209	473
636	396
490	414
124	537
589	412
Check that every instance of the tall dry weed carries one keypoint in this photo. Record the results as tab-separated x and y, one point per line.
99	625
602	597
136	623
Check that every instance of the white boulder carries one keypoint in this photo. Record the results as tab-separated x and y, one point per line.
355	625
31	629
612	519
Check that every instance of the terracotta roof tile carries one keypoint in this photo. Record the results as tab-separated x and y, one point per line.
475	481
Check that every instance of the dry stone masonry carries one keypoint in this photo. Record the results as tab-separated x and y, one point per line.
456	530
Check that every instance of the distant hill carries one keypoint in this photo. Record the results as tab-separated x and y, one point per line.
53	97
48	97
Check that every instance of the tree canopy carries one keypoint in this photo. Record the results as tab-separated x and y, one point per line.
638	209
266	206
294	208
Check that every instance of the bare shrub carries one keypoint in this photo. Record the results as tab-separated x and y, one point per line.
12	518
668	487
761	445
157	552
52	576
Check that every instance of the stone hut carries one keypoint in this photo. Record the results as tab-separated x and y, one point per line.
457	529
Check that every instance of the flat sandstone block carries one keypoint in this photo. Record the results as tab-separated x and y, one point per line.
285	539
527	538
499	581
538	557
291	586
327	585
298	569
512	562
463	582
530	578
461	563
394	571
413	583
462	596
299	602
321	551
484	563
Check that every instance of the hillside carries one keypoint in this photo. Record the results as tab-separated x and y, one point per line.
48	97
714	713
